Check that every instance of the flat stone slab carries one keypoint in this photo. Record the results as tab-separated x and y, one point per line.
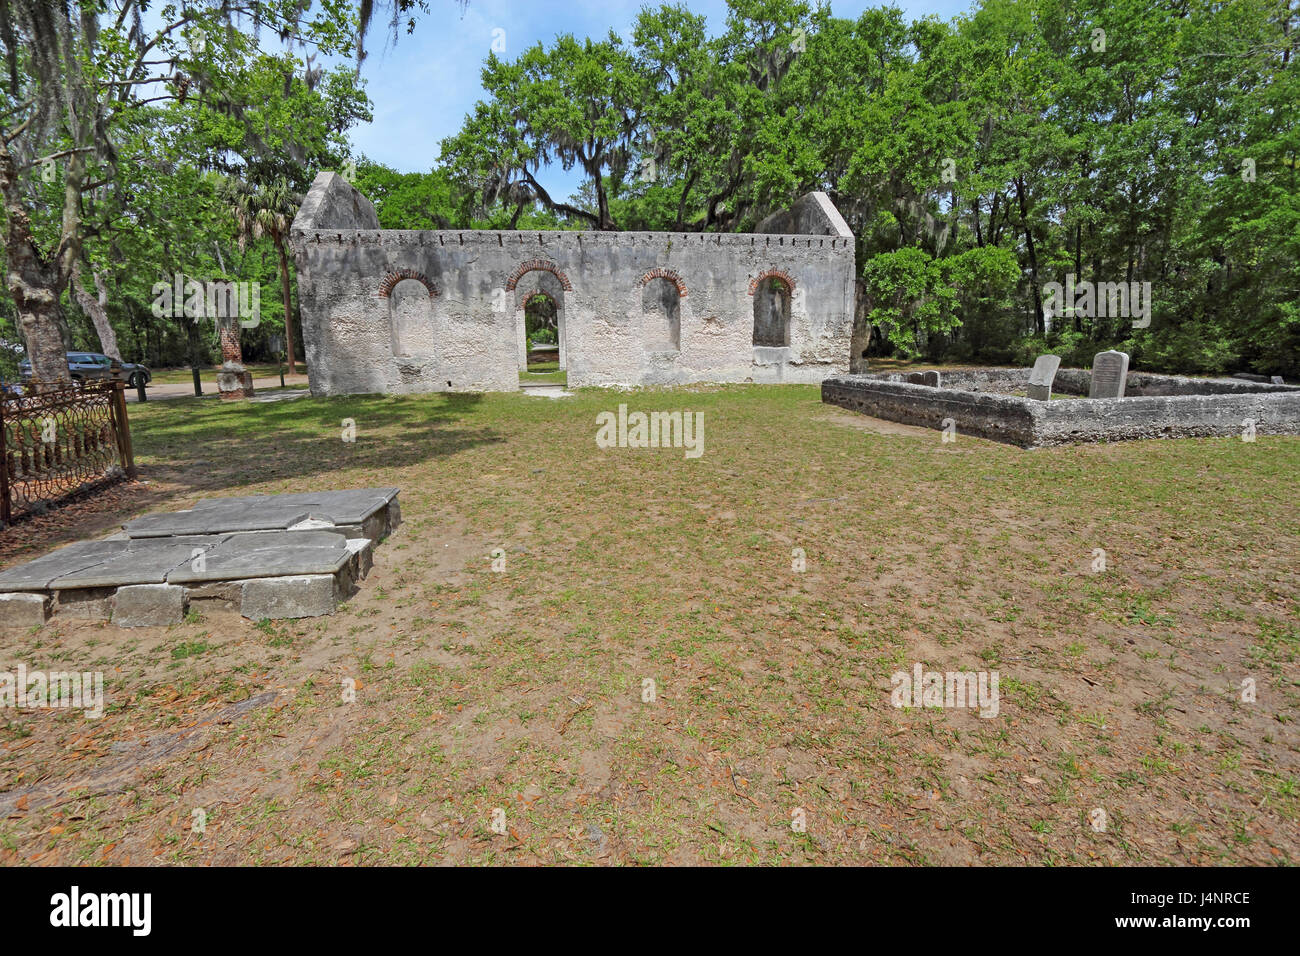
38	575
266	512
341	507
236	514
268	555
250	552
144	561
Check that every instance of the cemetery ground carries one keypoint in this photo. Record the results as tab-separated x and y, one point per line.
523	689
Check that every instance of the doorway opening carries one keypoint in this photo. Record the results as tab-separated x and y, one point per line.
539	305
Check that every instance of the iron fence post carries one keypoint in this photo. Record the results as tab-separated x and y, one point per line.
123	428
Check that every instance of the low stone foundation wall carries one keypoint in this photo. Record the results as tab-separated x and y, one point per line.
1164	411
1003	418
1075	381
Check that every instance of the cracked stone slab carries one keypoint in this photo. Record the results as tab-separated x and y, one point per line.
339	507
267	513
36	575
232	515
277	554
145	561
233	552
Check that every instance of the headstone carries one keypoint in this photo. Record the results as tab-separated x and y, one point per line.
930	378
1277	380
1109	374
915	378
1042	377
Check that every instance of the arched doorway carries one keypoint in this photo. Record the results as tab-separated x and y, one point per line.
539	310
542	329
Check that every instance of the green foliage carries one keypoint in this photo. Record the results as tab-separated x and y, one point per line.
976	160
413	200
149	205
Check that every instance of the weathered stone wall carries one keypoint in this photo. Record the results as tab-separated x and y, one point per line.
1075	381
366	328
1001	418
1274	409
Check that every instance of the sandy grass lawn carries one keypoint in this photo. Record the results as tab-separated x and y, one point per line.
523	690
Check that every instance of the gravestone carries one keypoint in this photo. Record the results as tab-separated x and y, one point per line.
1109	375
915	378
1042	377
1277	380
930	378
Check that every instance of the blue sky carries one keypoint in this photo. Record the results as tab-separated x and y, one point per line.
423	86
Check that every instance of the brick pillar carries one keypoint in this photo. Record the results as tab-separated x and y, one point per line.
233	381
230	351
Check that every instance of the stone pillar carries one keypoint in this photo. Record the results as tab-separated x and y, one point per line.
233	381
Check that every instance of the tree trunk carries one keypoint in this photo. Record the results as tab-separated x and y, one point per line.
1039	325
33	283
288	305
40	316
94	307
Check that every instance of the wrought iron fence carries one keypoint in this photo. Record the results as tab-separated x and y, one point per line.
60	441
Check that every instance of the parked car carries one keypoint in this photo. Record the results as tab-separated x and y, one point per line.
88	366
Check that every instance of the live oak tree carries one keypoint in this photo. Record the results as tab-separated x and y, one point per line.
75	76
574	103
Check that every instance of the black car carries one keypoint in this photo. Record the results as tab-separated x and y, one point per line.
88	366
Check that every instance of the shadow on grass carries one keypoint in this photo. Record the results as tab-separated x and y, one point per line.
192	445
214	446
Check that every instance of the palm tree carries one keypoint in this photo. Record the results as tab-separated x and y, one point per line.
267	210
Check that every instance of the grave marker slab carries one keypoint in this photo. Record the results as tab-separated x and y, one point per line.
930	378
1109	374
1042	377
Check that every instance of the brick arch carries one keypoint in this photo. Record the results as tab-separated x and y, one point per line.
534	265
770	274
670	274
391	279
542	294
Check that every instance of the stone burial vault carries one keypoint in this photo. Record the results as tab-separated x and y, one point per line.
266	556
425	311
1107	403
